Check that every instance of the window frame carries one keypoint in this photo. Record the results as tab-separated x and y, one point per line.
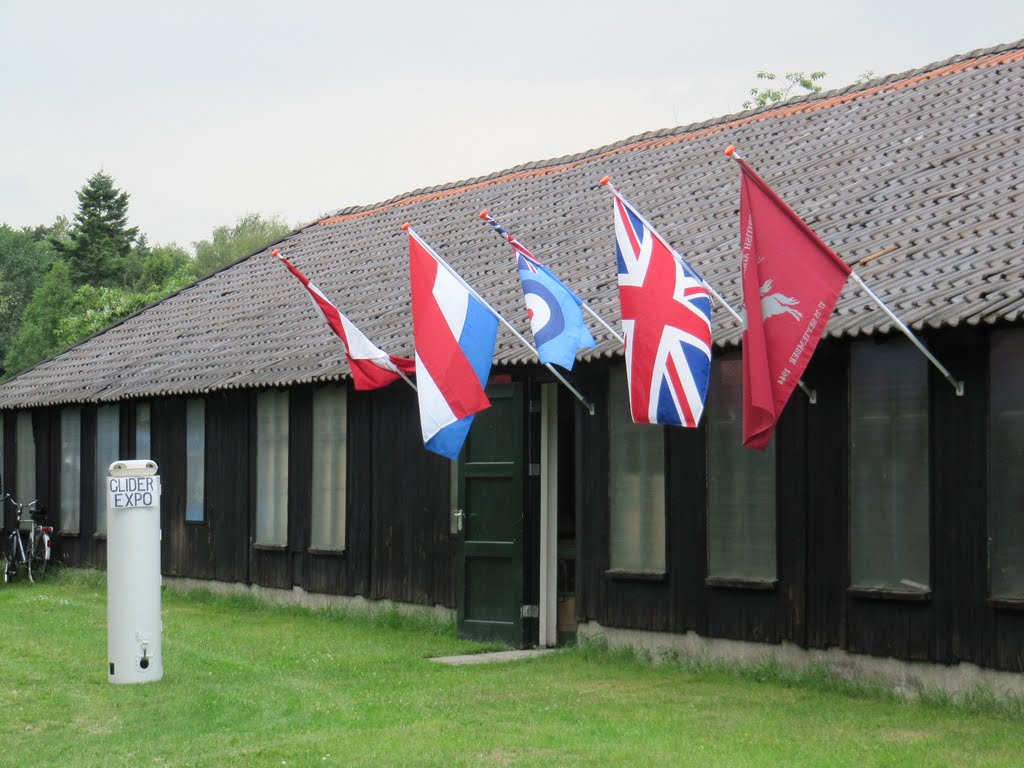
720	397
912	590
143	407
70	492
100	467
339	464
272	452
997	356
195	412
618	408
24	427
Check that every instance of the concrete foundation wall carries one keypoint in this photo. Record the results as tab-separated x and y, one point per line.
906	677
299	596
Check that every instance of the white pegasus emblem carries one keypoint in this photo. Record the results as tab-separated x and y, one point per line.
776	303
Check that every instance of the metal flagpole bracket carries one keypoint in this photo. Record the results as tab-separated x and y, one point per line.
958	385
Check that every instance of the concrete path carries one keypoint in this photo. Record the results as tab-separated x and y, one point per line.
490	658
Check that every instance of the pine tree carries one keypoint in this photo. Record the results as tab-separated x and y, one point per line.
101	240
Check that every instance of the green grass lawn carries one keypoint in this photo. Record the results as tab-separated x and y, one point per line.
249	684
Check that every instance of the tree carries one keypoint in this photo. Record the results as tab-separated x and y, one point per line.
24	257
92	309
250	234
163	263
61	314
102	272
100	242
147	267
58	232
798	80
36	338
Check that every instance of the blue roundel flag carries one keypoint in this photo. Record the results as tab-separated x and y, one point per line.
555	315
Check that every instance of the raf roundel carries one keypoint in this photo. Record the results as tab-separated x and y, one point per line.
546	320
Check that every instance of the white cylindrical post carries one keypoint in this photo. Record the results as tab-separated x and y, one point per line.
134	626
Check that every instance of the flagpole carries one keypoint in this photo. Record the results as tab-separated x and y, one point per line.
451	271
600	319
406	379
812	395
958	385
502	232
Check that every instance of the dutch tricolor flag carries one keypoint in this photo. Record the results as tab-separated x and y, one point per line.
454	335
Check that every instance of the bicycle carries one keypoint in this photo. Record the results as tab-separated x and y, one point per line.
28	544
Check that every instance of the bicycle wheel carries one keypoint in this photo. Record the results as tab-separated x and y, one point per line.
10	558
38	557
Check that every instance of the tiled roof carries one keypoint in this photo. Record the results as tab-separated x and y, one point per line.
929	161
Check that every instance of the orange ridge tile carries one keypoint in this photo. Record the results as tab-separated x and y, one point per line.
982	62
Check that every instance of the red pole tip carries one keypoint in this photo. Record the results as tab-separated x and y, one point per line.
405	227
730	150
276	252
483	214
605	180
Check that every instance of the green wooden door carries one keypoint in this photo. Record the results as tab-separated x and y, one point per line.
489	567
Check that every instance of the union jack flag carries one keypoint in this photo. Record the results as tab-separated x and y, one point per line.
666	319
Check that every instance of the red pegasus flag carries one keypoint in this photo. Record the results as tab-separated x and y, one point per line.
791	283
371	367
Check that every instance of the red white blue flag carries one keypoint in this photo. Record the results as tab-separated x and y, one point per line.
666	320
454	335
371	367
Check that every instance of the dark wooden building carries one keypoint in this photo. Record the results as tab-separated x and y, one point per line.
886	519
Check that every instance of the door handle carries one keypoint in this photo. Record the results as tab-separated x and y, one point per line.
459	514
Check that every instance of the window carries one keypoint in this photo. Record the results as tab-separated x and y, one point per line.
889	467
272	469
25	453
195	460
70	469
329	467
636	485
143	432
108	446
1006	458
741	485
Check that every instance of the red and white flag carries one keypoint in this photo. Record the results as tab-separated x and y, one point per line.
372	368
791	283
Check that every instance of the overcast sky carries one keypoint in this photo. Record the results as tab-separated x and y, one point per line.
207	110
